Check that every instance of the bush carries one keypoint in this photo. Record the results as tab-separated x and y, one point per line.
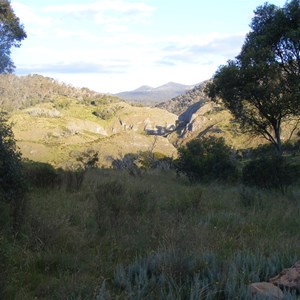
130	162
207	159
12	183
270	173
40	175
107	113
88	159
73	179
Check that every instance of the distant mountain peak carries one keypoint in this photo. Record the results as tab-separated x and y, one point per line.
181	103
144	88
149	95
173	86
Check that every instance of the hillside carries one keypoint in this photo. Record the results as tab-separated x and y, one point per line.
150	96
19	92
58	124
199	116
179	104
59	135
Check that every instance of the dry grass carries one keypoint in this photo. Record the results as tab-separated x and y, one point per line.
114	230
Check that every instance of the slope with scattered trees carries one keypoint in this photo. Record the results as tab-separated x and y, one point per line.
18	92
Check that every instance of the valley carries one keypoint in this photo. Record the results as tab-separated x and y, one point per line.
55	123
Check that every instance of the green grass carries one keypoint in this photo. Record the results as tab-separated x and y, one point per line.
150	237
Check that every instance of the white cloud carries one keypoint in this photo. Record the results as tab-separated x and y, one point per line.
29	16
100	6
72	34
198	49
65	42
77	67
105	11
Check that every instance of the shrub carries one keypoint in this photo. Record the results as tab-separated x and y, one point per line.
12	183
154	160
177	275
73	179
110	198
270	173
251	197
207	159
40	175
107	113
130	162
43	112
88	159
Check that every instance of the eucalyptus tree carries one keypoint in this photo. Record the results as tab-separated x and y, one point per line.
261	86
12	183
11	34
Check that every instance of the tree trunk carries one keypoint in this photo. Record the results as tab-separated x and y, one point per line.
278	144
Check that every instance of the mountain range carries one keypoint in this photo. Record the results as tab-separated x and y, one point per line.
149	95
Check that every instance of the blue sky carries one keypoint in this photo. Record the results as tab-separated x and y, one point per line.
118	45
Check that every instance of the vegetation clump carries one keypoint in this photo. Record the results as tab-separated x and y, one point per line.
11	35
107	113
260	87
12	180
40	175
207	159
270	173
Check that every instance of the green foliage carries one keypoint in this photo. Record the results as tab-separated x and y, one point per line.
18	92
107	113
261	86
136	163
207	159
148	237
154	160
178	275
61	102
11	35
129	162
116	202
40	175
12	183
270	173
251	197
72	179
88	159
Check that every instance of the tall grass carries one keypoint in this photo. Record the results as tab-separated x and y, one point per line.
150	237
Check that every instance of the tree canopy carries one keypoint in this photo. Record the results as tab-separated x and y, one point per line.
261	86
11	35
207	159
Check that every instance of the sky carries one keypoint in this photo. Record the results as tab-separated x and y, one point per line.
118	45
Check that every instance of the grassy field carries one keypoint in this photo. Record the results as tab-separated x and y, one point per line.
155	236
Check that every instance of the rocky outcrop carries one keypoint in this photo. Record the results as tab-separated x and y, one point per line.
288	278
195	119
265	289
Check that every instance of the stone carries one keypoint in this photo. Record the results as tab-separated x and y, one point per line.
265	289
288	278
